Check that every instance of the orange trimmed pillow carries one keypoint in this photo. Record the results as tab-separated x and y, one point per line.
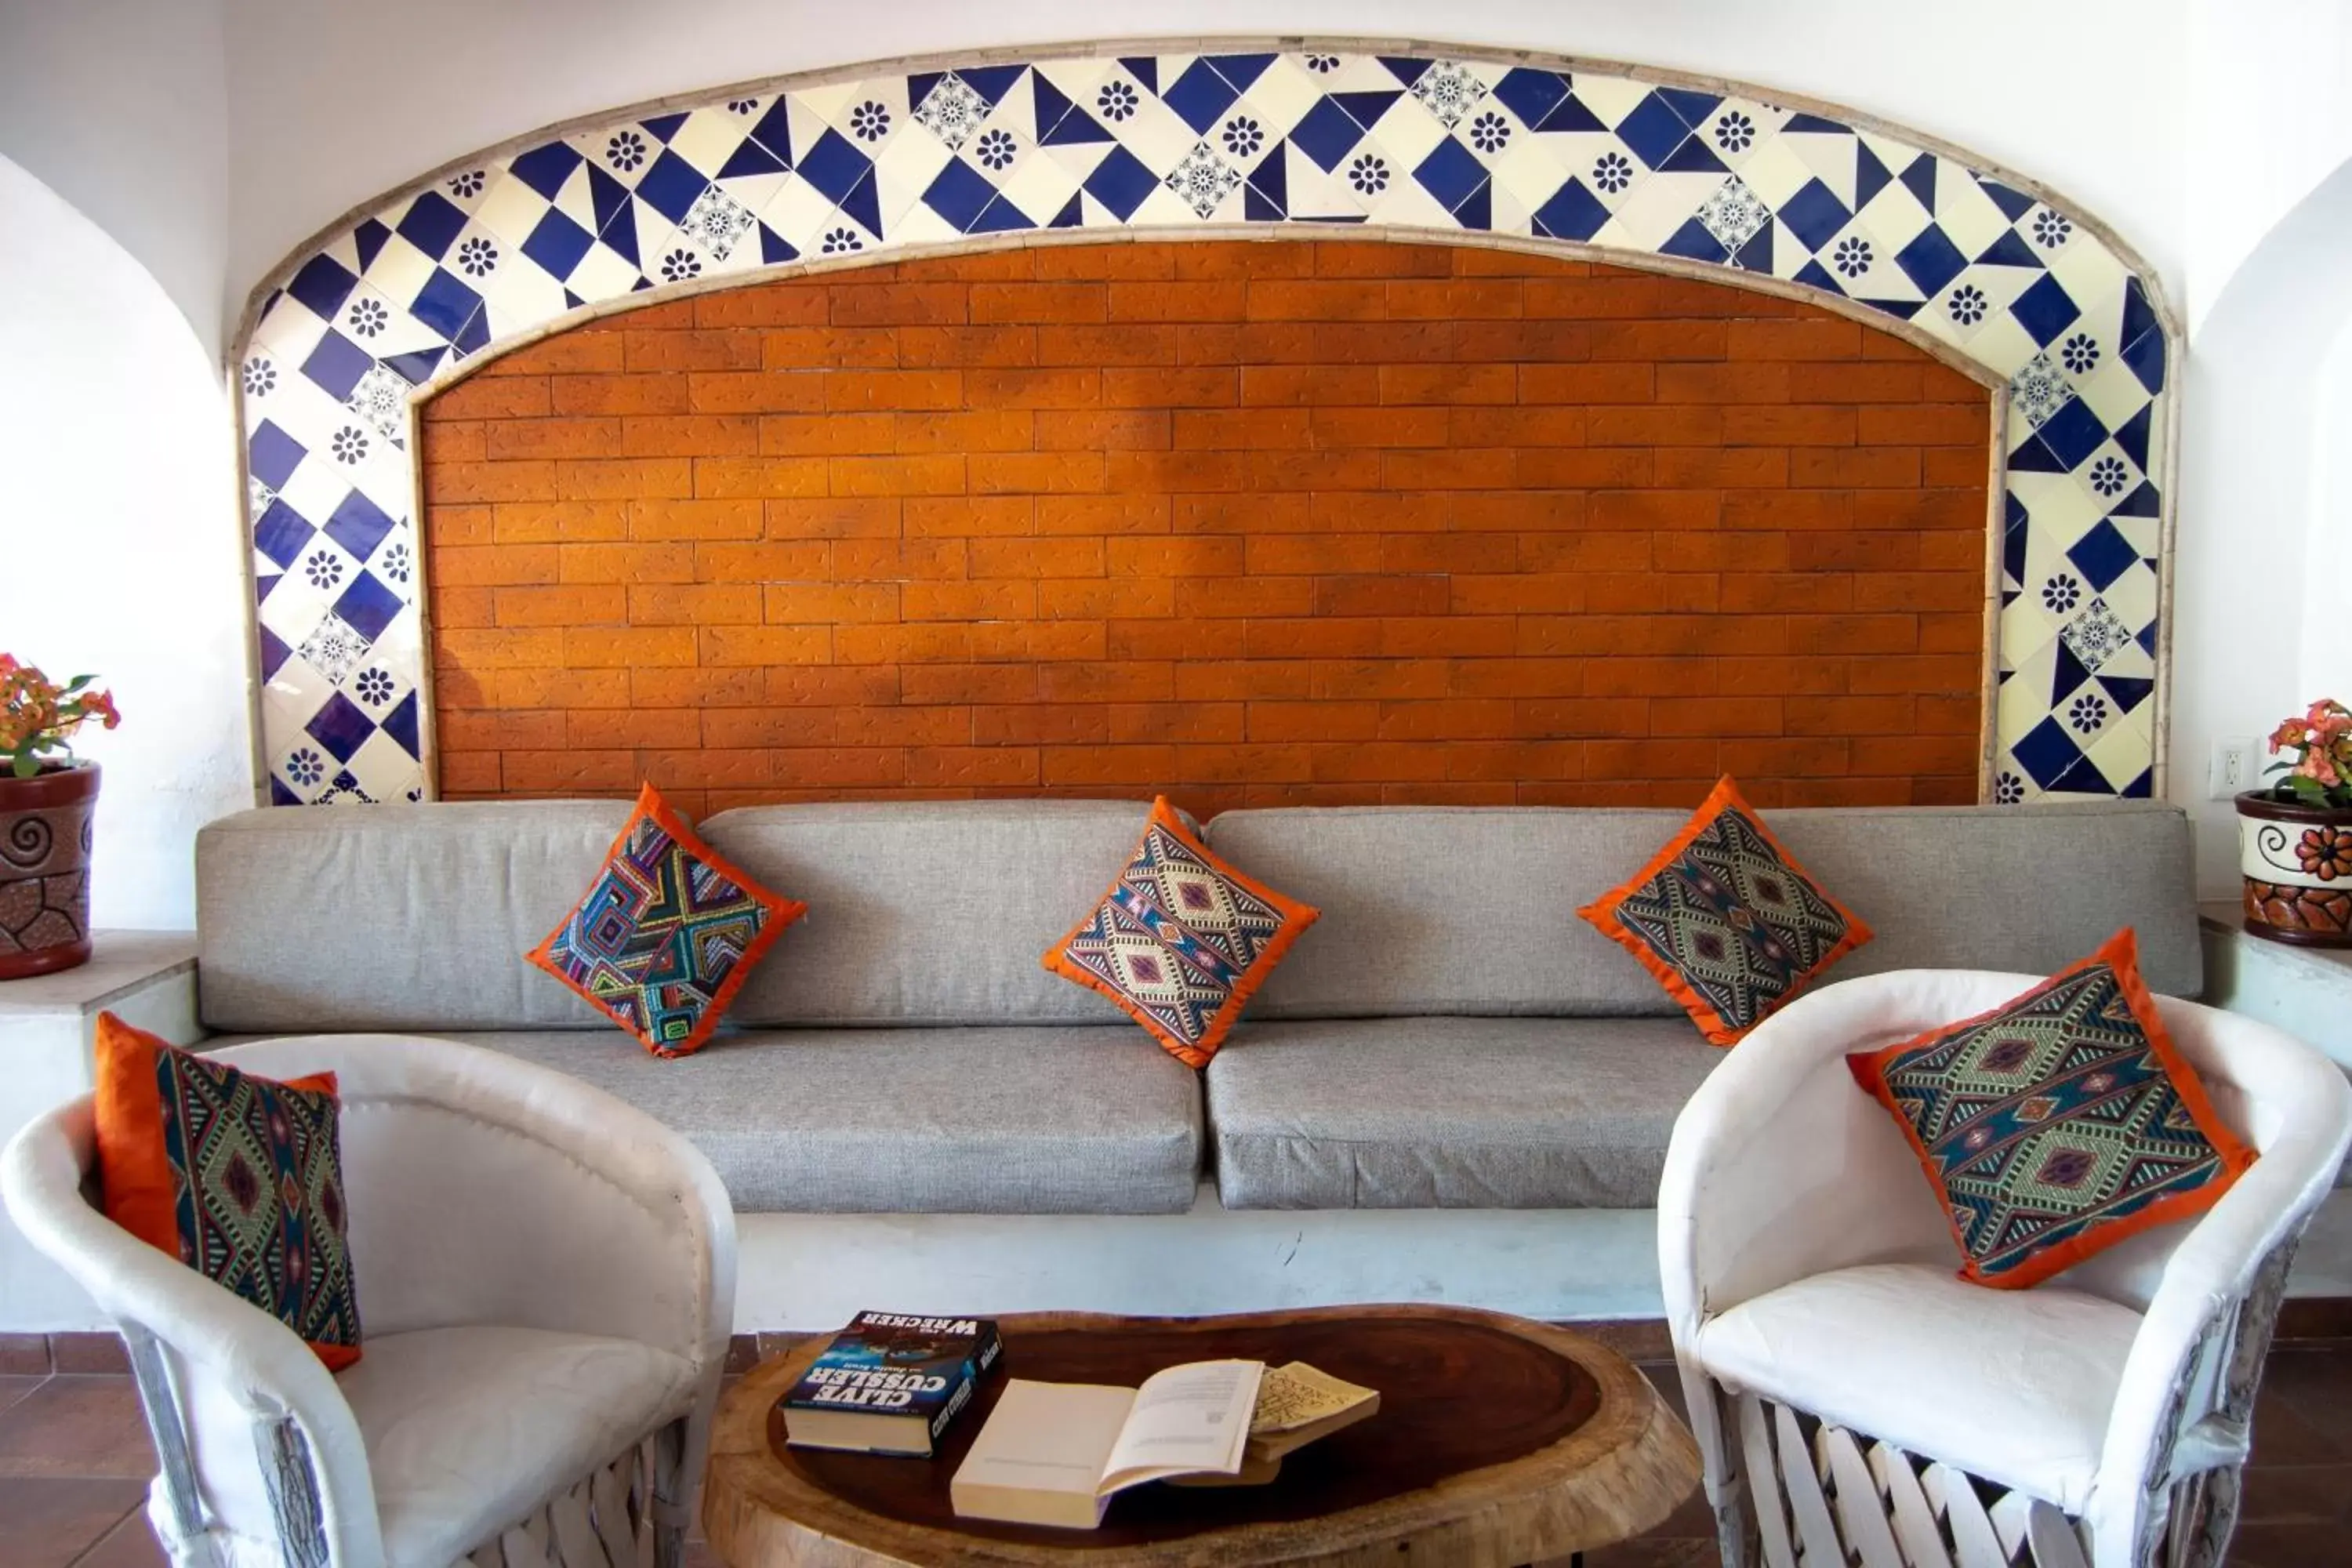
240	1178
2059	1123
1726	919
666	933
1180	940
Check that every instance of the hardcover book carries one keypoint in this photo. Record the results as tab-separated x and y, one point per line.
890	1383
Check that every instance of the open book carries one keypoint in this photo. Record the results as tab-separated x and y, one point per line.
1054	1453
1296	1403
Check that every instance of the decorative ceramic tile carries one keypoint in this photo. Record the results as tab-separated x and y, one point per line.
508	245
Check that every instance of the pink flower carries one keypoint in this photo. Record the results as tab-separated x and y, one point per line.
2319	767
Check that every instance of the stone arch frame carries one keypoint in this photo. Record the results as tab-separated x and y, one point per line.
1220	138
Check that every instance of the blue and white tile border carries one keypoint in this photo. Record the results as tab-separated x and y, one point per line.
1215	138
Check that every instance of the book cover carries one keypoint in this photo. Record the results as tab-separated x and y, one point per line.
890	1382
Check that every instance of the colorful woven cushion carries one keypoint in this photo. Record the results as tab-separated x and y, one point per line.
239	1177
1180	940
667	933
1726	920
2059	1123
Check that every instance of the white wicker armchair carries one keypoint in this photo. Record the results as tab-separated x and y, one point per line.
546	1280
1856	1402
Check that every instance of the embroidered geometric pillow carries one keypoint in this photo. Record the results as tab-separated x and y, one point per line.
239	1177
1180	940
2059	1123
666	933
1725	919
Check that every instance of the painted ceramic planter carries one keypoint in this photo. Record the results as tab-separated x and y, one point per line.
2297	863
45	831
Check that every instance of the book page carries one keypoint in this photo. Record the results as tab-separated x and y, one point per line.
1047	1436
1299	1395
1189	1417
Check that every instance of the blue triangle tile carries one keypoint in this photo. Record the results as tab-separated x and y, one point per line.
2010	250
544	168
2133	434
1001	217
1077	128
1571	113
419	366
863	202
774	131
918	88
1694	157
368	239
2046	753
1815	273
662	127
774	247
620	236
572	301
1144	68
1366	107
2139	315
2129	691
1901	309
1691	107
1477	210
1531	94
1756	256
1870	175
2067	675
1047	105
1920	179
607	198
1803	125
279	794
1267	198
751	158
274	652
1405	70
2083	778
2147	640
1696	241
641	285
2013	204
1242	70
992	82
401	725
1572	213
2034	456
2142	787
2146	354
2144	501
1071	216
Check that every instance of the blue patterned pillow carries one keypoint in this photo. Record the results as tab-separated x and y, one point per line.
666	934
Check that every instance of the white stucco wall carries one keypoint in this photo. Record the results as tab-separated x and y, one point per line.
120	538
121	107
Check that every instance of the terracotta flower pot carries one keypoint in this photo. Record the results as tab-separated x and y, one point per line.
2297	863
44	824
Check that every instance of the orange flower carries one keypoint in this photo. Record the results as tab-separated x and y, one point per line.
2290	732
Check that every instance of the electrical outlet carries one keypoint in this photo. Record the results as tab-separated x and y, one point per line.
2232	768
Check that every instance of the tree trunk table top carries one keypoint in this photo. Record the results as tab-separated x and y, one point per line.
1499	1441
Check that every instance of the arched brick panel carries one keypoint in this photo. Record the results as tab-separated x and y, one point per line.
1470	146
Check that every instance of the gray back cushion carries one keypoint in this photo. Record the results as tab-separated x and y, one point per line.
392	917
1467	910
933	913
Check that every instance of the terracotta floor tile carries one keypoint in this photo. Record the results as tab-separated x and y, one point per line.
13	1389
131	1544
77	1427
48	1522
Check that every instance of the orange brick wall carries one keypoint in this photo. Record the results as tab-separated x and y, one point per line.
1243	521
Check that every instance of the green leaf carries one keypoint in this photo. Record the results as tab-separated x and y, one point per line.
77	683
2309	791
26	765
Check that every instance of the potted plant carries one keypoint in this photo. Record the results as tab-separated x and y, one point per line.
46	801
2294	840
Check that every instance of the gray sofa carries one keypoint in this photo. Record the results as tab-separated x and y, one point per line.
1450	1036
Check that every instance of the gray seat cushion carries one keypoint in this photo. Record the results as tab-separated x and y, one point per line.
1045	1120
1473	911
1436	1112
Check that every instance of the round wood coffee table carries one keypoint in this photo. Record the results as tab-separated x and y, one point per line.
1497	1441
